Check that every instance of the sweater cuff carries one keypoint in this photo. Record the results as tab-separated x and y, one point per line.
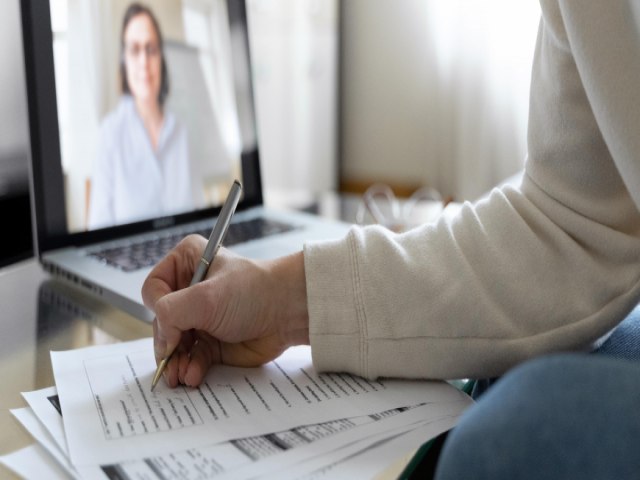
334	323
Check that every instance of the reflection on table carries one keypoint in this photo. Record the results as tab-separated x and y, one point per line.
39	314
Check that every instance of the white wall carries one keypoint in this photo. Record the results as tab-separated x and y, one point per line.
435	92
294	54
386	85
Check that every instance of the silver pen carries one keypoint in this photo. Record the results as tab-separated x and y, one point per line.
215	240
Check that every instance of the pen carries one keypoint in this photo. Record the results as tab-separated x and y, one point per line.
215	240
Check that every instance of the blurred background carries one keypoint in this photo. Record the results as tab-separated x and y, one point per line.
410	93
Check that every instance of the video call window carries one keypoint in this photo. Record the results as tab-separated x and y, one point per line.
147	108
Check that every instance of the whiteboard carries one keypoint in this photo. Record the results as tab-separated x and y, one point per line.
190	101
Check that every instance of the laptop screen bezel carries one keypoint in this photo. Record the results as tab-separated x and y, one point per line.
46	177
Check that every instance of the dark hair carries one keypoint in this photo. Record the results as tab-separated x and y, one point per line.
134	10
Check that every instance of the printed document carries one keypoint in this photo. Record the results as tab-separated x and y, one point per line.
34	462
321	444
110	415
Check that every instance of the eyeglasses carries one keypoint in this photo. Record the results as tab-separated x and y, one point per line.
380	205
134	50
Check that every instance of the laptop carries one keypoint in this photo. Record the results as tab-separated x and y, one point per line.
113	193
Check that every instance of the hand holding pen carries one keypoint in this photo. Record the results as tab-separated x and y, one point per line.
215	240
245	313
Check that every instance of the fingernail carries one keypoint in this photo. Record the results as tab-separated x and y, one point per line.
189	378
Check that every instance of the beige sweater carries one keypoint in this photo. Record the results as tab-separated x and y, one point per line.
550	266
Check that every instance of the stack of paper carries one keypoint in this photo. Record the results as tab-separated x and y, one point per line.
282	420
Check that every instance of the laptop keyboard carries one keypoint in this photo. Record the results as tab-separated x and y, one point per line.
133	256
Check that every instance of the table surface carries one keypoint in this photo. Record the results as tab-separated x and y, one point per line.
39	314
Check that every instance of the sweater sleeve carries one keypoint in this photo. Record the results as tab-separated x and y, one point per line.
552	265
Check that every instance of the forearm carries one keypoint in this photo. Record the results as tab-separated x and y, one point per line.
549	267
473	297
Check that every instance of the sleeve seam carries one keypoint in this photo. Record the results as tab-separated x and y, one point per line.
359	306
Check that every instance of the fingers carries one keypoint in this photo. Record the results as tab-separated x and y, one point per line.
196	307
172	374
160	350
179	359
174	271
189	366
215	308
181	311
203	355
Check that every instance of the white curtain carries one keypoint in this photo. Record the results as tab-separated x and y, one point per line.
207	28
484	52
294	55
90	85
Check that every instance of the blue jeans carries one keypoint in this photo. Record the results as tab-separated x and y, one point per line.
558	417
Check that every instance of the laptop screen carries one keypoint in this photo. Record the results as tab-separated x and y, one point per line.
141	114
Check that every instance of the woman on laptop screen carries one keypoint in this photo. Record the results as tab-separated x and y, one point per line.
142	166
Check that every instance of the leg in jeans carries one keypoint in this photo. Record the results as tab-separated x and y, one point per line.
558	417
